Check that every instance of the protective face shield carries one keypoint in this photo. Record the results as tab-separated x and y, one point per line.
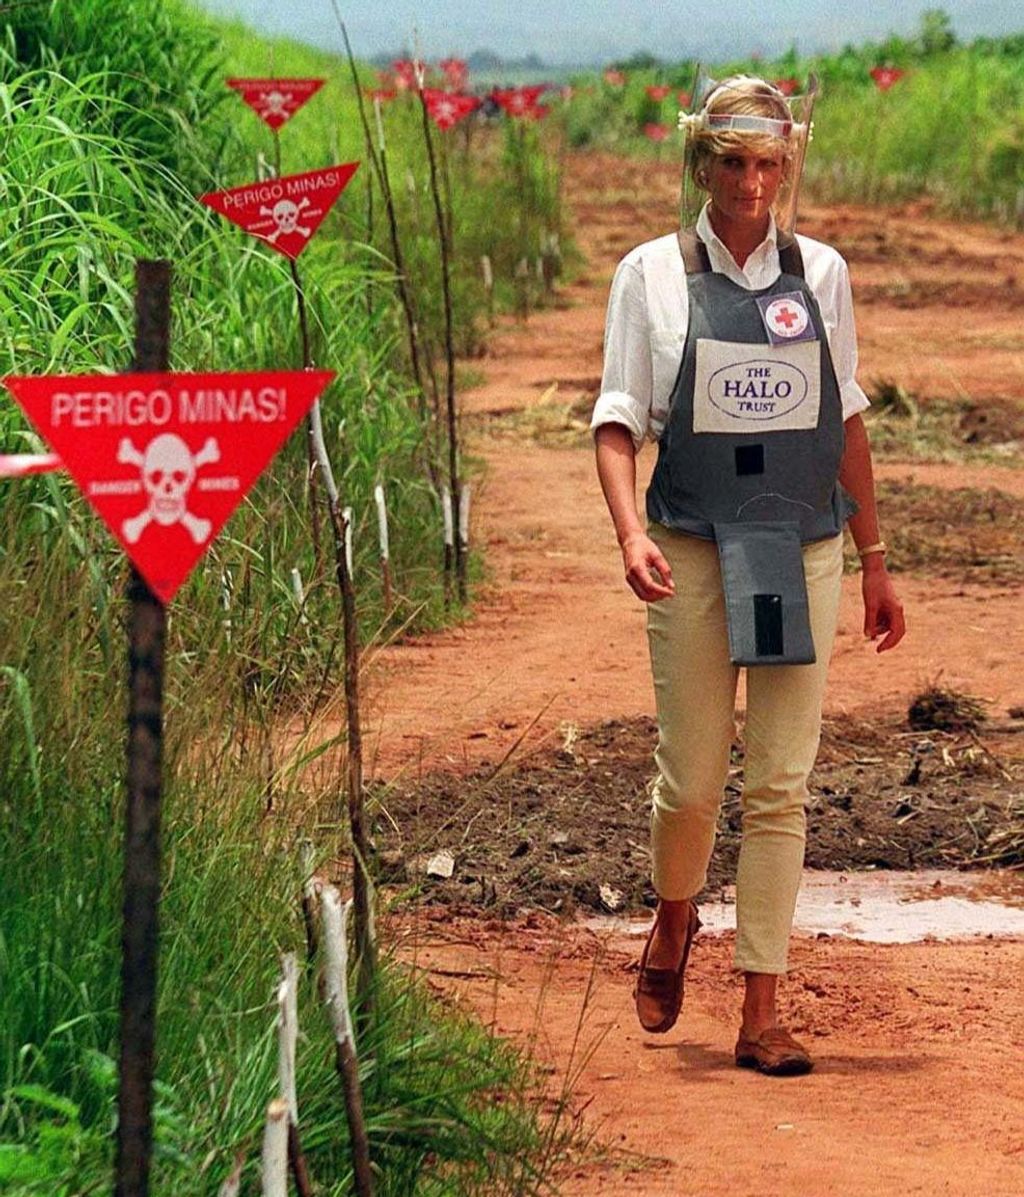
712	132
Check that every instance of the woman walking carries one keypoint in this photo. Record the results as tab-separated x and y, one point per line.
732	344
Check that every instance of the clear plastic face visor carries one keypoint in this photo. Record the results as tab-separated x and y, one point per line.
791	135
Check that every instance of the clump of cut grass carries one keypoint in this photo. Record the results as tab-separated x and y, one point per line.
939	708
891	398
947	430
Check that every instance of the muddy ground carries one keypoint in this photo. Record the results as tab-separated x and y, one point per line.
565	831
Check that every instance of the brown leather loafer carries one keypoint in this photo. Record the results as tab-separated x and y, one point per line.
664	985
774	1052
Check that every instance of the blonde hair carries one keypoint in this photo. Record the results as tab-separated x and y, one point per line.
739	95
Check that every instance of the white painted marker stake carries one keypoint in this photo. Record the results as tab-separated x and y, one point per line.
446	504
335	919
449	543
385	547
382	521
233	1182
346	515
287	1038
275	1150
19	465
488	272
288	1033
227	589
464	516
300	596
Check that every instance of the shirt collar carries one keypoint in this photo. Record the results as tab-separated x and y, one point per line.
705	231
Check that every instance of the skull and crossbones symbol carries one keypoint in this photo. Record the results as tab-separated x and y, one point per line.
168	471
285	214
275	103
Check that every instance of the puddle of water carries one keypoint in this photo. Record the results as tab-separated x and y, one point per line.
883	907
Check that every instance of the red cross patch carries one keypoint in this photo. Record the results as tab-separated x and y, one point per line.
786	318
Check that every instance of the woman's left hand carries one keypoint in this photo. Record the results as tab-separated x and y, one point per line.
883	611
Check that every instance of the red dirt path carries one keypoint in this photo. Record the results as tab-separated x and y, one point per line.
920	1081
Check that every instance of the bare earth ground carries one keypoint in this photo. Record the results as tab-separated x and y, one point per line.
557	635
920	1081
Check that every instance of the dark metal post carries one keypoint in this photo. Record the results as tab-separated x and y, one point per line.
146	635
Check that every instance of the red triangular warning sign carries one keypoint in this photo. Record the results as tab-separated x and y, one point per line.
285	212
166	458
276	100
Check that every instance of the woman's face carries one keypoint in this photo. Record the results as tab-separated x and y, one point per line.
743	184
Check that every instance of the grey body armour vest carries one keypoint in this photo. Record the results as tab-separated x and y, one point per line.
750	454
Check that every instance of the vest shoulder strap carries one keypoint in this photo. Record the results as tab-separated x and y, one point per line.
694	251
696	260
791	260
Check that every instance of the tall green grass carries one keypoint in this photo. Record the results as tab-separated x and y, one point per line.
101	166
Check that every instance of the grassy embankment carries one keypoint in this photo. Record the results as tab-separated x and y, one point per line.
112	122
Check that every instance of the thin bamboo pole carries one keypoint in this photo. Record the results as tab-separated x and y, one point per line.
445	247
313	489
341	526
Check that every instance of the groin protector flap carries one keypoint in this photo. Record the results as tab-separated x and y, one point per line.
765	593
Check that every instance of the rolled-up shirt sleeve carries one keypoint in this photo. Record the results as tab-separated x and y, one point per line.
843	346
627	381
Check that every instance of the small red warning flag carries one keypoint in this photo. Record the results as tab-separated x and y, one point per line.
284	212
164	459
518	101
885	77
407	71
456	71
447	108
276	100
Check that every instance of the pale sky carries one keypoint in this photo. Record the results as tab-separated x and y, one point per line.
593	30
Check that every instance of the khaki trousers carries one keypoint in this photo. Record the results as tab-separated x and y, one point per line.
695	691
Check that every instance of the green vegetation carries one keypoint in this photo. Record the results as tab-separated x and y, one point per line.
951	128
107	141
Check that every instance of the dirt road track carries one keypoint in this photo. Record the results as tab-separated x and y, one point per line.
920	1082
918	1087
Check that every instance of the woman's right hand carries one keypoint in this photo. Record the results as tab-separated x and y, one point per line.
648	574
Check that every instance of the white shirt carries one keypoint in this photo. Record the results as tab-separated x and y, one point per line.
648	315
